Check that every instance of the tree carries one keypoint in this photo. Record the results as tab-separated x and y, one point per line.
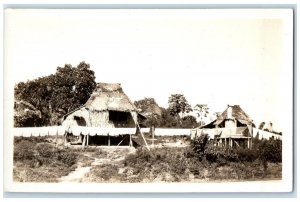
189	122
178	106
167	120
261	125
145	105
25	114
59	93
202	112
72	87
151	110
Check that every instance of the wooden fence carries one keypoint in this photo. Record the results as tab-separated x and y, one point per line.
92	131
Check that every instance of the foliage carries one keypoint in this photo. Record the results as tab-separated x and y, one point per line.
25	114
58	93
199	143
24	150
151	110
180	164
263	151
202	112
167	120
160	117
189	122
270	150
35	154
247	155
145	104
261	125
66	157
178	105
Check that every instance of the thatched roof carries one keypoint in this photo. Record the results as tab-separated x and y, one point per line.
109	96
237	114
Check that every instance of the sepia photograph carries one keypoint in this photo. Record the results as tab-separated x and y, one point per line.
163	100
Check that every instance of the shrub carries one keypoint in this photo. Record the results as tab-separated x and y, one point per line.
271	150
199	143
36	154
247	155
45	150
24	150
67	157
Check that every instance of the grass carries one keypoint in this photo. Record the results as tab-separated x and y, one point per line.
41	161
179	165
38	160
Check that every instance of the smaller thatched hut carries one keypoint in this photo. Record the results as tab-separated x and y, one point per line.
232	128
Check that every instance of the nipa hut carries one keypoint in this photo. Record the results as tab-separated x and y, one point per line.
233	128
107	111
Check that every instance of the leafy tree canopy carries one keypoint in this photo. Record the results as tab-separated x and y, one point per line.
59	93
178	105
145	104
202	112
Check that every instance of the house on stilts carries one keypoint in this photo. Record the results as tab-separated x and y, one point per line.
107	118
233	128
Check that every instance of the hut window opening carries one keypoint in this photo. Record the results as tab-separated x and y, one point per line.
118	116
80	120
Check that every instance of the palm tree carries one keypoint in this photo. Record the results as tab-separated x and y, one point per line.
202	112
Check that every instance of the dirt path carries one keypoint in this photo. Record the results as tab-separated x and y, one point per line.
75	176
113	155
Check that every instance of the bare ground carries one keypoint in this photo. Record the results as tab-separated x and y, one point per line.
89	160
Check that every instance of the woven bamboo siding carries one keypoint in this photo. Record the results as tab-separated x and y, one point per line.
100	119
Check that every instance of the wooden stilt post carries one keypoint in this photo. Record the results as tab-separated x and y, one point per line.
248	143
139	128
108	142
251	134
130	140
65	138
56	137
87	140
83	142
152	136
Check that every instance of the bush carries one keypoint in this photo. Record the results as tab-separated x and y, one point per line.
199	143
24	150
270	150
67	157
247	155
37	154
264	150
45	150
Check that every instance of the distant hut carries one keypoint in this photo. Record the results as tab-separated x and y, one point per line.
108	107
233	128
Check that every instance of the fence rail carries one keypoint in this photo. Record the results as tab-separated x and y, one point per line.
93	131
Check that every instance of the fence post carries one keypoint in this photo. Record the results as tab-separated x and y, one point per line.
153	132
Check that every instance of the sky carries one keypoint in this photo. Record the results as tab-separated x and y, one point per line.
214	57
